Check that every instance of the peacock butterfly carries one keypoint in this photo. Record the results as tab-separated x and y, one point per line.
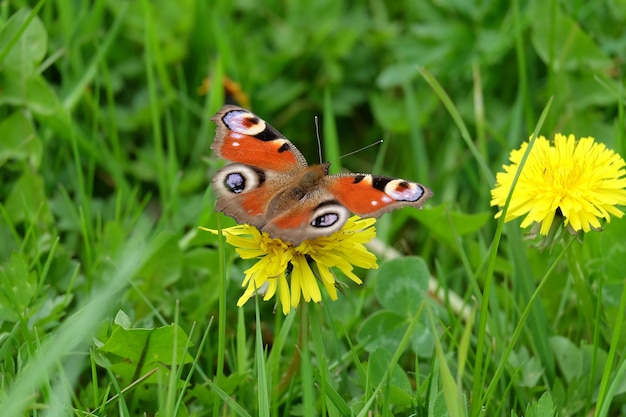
271	186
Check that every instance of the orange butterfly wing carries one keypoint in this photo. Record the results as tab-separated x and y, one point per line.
372	195
243	137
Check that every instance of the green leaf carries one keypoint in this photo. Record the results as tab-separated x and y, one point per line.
164	267
31	91
402	285
382	329
591	353
397	74
28	201
530	369
18	286
399	397
557	33
390	113
568	356
122	320
439	406
379	363
446	225
23	51
135	352
542	408
423	341
19	140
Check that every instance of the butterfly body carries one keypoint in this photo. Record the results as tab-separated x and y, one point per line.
270	185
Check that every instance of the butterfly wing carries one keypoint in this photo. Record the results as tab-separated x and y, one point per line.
372	195
326	208
266	163
243	137
316	214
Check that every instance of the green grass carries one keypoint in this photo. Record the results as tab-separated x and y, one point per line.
113	303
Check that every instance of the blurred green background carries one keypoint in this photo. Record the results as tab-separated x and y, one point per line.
105	173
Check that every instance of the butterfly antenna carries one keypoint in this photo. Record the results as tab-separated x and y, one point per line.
378	142
317	135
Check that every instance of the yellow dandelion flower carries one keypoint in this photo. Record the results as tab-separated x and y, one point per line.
580	180
288	270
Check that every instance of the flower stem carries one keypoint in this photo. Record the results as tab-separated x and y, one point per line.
296	359
581	286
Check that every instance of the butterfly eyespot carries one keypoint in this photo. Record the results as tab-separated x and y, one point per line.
402	190
328	217
235	182
325	220
237	178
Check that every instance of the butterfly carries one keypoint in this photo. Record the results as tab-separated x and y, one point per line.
271	187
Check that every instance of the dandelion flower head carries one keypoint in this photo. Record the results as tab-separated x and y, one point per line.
580	180
288	270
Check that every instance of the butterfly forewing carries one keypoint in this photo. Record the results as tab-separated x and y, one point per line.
243	137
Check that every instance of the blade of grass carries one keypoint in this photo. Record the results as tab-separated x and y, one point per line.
306	371
610	382
320	355
330	140
261	362
215	99
169	398
479	367
228	400
528	310
416	140
523	102
342	407
523	287
458	120
221	323
155	107
194	365
71	99
451	391
243	366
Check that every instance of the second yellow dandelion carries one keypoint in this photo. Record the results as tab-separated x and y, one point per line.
581	180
